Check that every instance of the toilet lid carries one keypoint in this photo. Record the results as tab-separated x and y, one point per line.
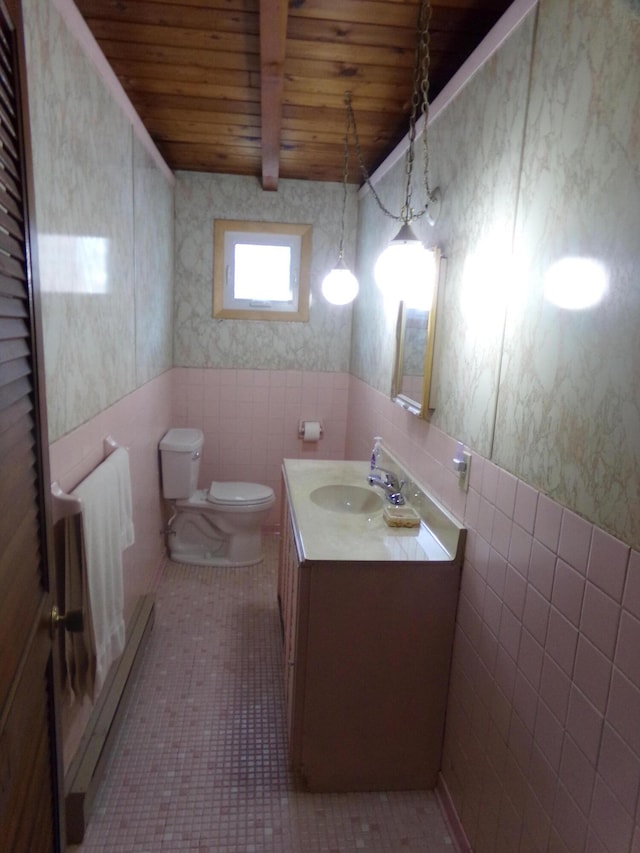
239	493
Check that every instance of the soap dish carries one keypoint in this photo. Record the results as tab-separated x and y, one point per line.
401	516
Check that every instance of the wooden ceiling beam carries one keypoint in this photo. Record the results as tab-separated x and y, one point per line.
273	37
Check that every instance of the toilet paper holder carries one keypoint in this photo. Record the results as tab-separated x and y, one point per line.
301	430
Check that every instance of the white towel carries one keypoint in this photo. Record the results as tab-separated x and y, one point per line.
119	460
106	522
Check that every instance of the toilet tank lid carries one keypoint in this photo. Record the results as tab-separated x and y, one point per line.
182	439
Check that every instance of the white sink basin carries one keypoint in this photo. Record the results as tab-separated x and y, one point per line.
345	498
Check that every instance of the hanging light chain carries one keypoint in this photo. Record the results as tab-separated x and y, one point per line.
419	100
424	77
345	173
361	163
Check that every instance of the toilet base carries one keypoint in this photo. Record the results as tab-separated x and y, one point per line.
205	558
232	551
202	535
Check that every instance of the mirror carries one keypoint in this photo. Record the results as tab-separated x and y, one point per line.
415	338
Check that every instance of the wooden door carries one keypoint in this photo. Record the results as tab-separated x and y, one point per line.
30	796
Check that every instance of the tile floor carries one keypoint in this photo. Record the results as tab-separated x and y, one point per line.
200	762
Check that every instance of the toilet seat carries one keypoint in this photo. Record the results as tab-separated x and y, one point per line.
230	494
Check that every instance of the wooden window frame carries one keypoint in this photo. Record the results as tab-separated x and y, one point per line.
221	228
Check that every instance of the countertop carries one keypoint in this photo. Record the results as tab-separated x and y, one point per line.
322	534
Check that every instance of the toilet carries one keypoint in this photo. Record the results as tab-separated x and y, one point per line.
218	526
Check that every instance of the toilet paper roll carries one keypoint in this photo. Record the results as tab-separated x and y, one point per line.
311	431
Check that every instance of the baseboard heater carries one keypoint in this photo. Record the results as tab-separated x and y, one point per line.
85	774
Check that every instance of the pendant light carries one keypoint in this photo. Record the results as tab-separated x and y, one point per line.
340	286
403	267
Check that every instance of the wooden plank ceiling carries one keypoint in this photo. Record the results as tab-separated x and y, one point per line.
256	87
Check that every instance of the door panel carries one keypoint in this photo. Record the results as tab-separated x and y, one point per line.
30	776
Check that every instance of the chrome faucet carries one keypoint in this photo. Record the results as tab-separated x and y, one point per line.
391	486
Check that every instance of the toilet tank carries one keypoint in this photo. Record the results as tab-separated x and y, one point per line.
180	452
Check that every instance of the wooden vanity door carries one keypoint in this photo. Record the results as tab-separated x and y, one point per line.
289	603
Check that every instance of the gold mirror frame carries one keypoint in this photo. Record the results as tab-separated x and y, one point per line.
400	393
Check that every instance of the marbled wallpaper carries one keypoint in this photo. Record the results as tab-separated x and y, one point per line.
569	402
475	147
200	341
96	349
153	264
538	159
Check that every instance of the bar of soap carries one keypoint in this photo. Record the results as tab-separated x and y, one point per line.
401	516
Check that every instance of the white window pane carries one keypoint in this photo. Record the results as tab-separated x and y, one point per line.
262	273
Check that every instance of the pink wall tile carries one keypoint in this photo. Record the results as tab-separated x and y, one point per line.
594	845
510	630
515	591
505	672
486	512
569	822
562	639
627	657
537	822
549	734
542	566
501	713
520	549
620	769
530	657
506	493
623	711
525	700
575	540
490	475
609	819
607	565
524	512
599	619
555	688
543	779
536	615
509	827
496	572
577	774
592	673
520	743
584	724
548	521
568	589
632	588
501	533
492	611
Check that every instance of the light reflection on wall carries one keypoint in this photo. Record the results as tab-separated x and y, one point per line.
487	275
576	283
73	264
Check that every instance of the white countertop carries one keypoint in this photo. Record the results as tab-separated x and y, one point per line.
326	535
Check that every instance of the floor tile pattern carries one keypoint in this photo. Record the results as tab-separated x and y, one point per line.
200	762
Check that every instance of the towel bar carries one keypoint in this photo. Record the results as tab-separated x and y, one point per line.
64	505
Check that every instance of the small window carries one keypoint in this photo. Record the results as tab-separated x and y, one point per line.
261	270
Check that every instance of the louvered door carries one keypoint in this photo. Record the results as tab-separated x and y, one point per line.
29	771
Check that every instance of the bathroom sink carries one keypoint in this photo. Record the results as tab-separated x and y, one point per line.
345	498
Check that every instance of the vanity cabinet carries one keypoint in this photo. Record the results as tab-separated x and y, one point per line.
367	647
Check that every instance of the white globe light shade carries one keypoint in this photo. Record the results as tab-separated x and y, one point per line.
340	286
406	271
